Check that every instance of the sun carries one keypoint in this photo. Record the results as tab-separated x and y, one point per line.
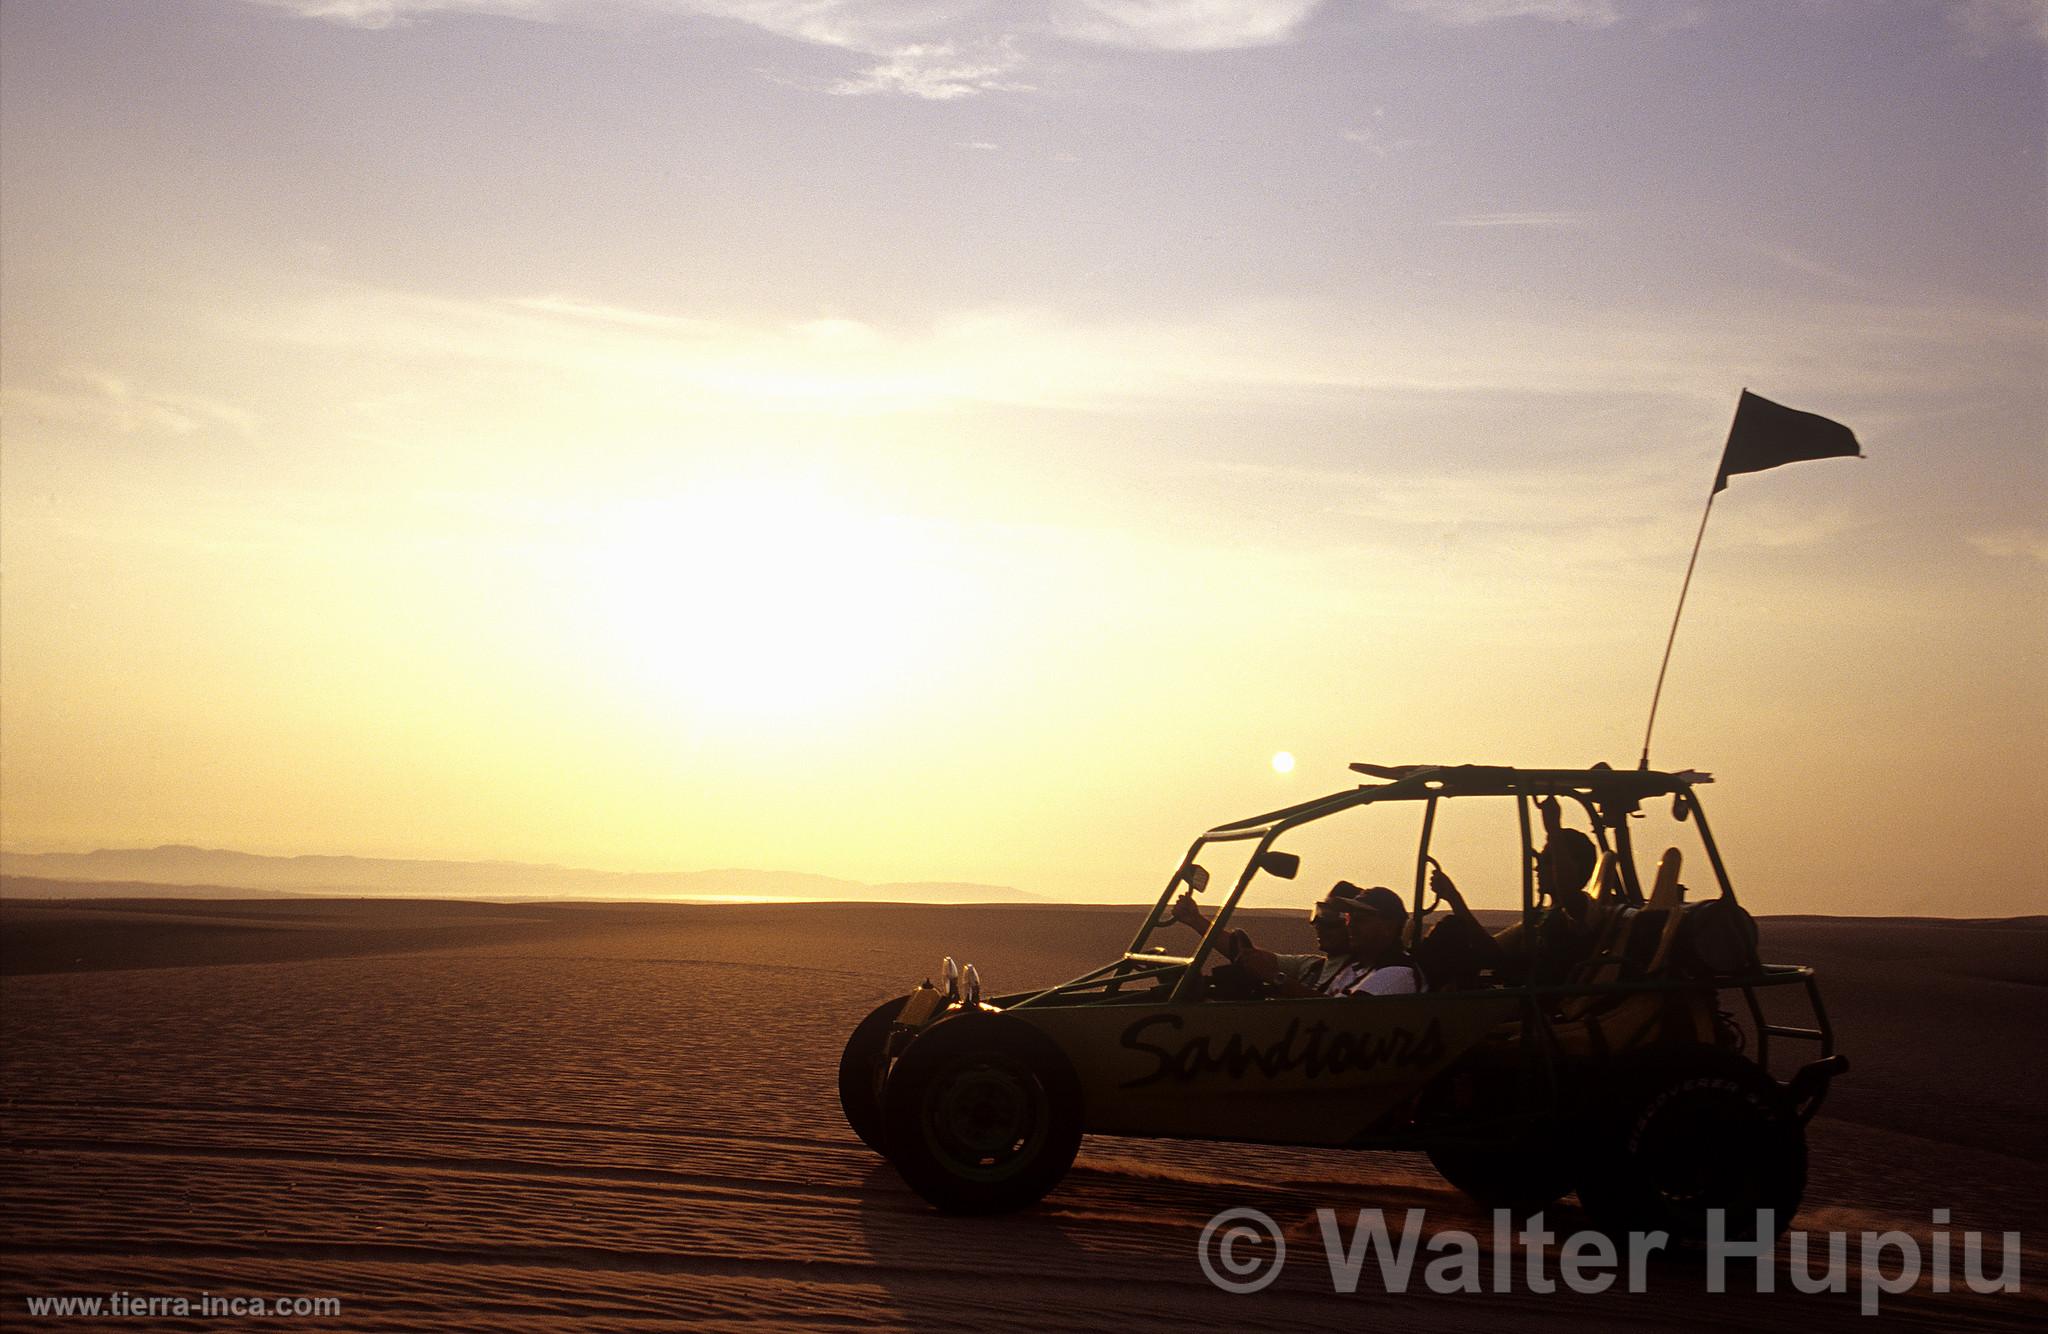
1283	762
762	600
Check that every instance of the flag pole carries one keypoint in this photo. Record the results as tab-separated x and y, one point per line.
1672	638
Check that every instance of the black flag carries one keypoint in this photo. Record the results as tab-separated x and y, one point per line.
1766	434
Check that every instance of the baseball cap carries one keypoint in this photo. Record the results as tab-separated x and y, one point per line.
1347	898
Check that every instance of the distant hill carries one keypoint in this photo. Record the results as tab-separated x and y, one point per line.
216	872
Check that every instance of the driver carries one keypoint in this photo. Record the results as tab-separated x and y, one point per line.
1568	930
1360	933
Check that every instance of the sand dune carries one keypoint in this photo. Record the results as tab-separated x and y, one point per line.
622	1117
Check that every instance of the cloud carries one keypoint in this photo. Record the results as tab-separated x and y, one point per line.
103	402
879	27
1986	25
1378	144
1528	218
1800	262
595	313
393	13
938	72
1290	357
943	50
1606	506
1776	524
1014	355
2005	543
931	49
1597	514
1471	13
1181	25
871	26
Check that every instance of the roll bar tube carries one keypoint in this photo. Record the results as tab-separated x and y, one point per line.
1528	863
1428	785
1699	819
1184	990
1422	857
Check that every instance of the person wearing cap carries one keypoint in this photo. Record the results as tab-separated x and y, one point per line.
1360	931
1379	963
1566	930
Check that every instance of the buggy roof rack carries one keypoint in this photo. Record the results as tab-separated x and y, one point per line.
1505	780
1620	789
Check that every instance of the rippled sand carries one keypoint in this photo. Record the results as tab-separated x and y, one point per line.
622	1117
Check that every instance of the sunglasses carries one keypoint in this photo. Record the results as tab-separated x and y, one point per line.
1329	913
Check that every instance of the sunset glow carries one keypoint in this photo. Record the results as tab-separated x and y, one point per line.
650	435
763	603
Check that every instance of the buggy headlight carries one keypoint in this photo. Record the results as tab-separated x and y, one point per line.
951	972
970	986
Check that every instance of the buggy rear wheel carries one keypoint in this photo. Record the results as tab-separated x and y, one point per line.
983	1115
1525	1165
861	1069
1686	1131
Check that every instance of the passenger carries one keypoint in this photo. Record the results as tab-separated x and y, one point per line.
1566	932
1379	965
1360	932
1459	951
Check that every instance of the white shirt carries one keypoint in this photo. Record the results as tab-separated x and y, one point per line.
1359	978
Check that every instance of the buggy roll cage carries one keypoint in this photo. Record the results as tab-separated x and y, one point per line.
1608	796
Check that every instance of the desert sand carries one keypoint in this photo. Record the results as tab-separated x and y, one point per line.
553	1116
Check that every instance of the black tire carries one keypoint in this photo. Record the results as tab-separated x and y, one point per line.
984	1115
1524	1178
1534	1169
861	1069
1682	1131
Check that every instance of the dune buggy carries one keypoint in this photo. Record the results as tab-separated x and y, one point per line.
1636	1070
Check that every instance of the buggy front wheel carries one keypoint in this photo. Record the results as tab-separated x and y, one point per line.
983	1115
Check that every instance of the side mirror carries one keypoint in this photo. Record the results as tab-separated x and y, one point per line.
1195	878
1681	809
1285	865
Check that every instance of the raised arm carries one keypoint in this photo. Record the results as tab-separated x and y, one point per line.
1188	913
1234	945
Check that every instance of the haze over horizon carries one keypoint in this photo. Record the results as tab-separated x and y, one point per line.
967	442
214	873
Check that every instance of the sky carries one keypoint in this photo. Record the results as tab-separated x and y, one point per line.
942	440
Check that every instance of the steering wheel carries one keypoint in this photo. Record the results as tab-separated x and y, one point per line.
1235	982
1443	888
1233	979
